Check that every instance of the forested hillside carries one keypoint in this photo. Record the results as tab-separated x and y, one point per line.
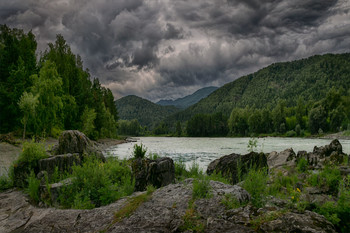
280	97
189	100
144	111
43	96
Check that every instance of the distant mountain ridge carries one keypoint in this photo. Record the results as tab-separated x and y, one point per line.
310	78
146	112
189	100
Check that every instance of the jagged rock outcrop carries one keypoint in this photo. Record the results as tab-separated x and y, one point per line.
74	141
235	166
62	162
282	158
332	153
163	212
296	222
159	172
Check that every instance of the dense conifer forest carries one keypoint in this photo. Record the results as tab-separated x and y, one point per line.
43	95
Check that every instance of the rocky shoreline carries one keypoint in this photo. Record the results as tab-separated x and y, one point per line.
172	208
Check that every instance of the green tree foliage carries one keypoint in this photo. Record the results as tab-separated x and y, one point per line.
308	79
237	122
48	86
148	114
17	64
63	87
87	119
205	125
178	130
131	128
27	103
317	119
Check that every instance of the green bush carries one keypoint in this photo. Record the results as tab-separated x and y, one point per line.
180	170
330	178
302	165
255	183
139	151
338	212
96	183
291	133
33	187
282	185
5	182
218	177
231	202
153	156
194	170
32	152
201	188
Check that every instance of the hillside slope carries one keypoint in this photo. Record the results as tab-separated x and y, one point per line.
309	78
189	100
147	113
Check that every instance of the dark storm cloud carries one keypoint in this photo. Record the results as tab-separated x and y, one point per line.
166	49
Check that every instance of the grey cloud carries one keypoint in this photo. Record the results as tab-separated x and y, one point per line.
159	49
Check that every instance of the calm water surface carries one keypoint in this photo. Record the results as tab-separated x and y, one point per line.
205	150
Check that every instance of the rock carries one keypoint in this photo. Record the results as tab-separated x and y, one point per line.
229	165
52	196
326	151
159	172
165	211
344	170
62	162
74	141
20	174
162	213
286	157
297	222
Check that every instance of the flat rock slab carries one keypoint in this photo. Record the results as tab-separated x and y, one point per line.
162	213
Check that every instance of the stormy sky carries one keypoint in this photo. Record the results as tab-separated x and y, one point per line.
164	49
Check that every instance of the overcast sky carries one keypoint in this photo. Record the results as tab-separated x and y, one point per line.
170	48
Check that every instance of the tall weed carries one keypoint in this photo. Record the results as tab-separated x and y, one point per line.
255	183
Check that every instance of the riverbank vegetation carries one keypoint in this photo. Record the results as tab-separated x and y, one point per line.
44	95
96	183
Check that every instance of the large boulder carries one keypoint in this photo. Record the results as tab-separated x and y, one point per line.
74	141
276	159
159	172
235	166
62	162
164	211
298	222
327	150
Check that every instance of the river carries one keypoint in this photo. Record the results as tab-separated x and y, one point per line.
205	150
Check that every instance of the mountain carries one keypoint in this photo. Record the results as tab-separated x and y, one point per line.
309	78
146	112
190	99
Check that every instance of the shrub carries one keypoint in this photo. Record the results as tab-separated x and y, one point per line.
302	165
32	152
291	133
139	151
201	188
33	187
96	183
153	156
5	182
231	202
194	170
218	177
255	183
281	182
252	144
180	170
192	221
